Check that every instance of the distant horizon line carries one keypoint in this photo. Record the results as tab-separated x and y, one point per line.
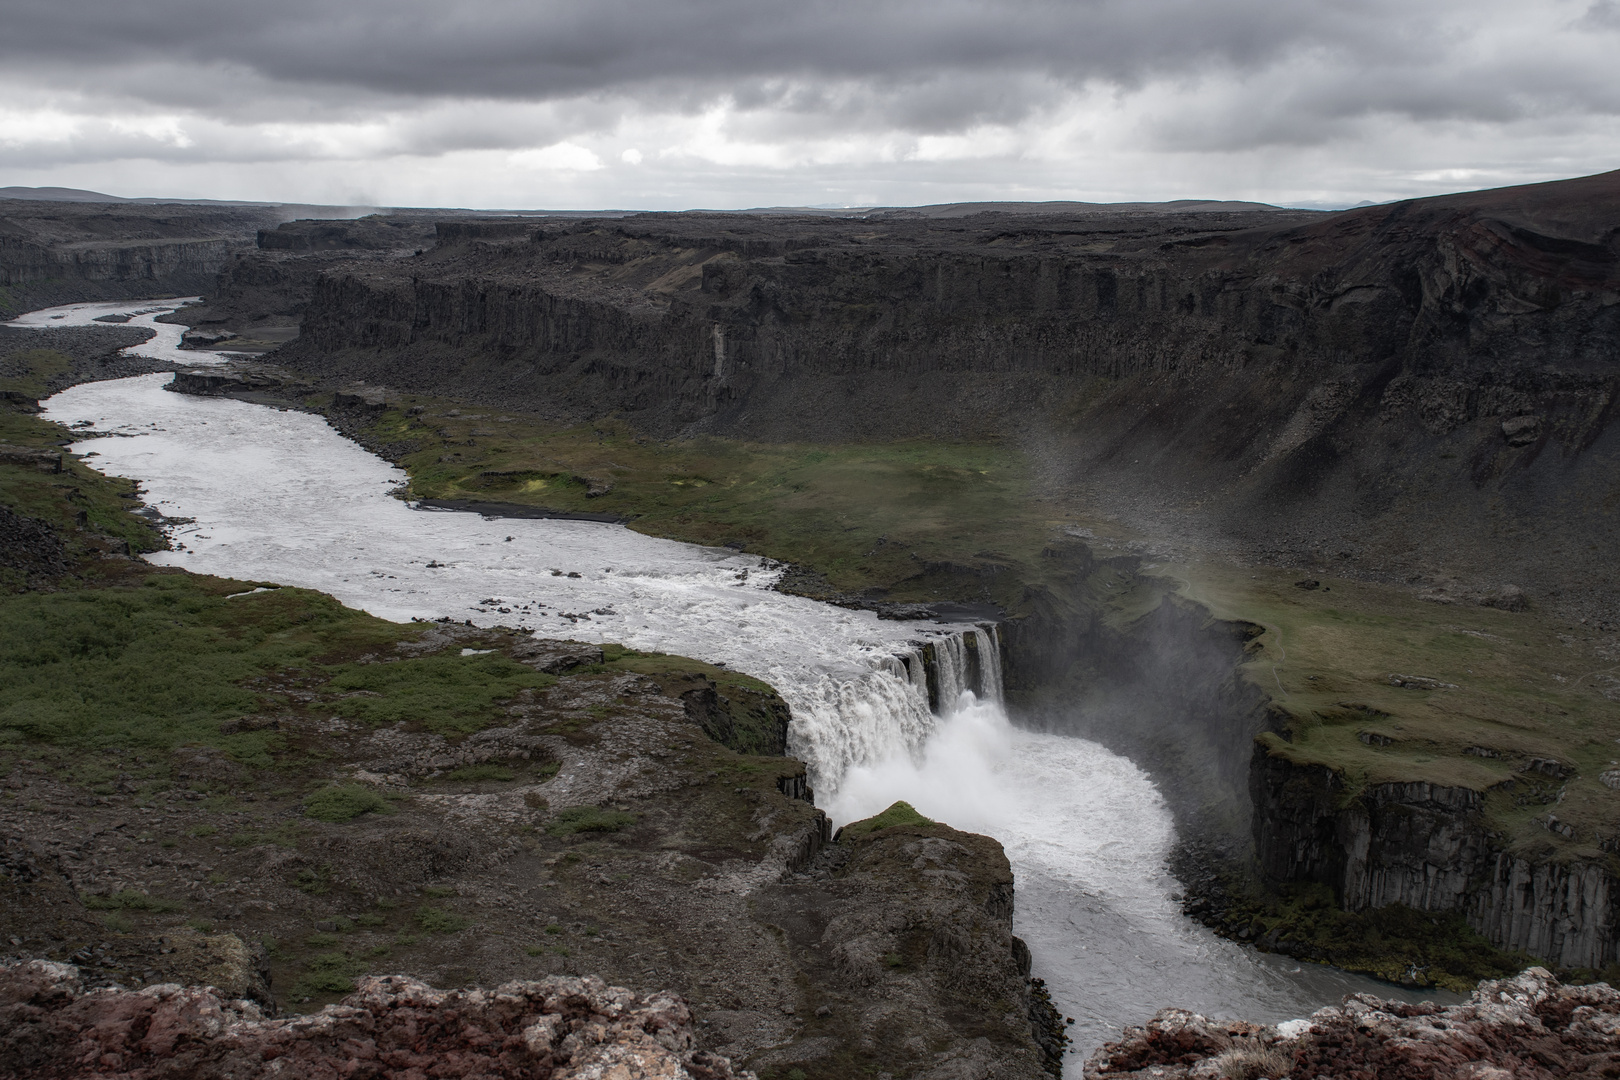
51	193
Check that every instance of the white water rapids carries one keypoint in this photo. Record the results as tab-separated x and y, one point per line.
280	496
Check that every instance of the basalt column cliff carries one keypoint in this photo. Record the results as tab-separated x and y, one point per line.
1389	390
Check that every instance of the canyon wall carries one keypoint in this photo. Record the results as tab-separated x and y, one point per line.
1422	388
59	252
1428	847
1108	653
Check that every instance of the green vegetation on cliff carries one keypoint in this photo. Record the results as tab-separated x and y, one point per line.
1386	687
900	813
89	513
180	659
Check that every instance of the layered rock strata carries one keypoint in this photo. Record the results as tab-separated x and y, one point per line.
1427	846
55	253
1389	390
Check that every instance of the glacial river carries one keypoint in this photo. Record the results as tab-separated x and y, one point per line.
280	496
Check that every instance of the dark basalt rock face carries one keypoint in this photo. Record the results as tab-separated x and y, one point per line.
1435	376
30	550
1428	847
59	252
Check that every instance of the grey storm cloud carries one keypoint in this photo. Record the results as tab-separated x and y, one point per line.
500	48
651	102
923	65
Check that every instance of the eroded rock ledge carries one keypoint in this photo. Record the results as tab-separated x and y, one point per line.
554	1028
1528	1027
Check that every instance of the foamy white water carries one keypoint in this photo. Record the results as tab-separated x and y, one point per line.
281	496
1088	835
165	346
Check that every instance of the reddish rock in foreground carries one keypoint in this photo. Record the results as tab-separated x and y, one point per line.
560	1028
1526	1028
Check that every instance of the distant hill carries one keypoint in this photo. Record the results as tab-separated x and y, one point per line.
57	194
79	195
939	210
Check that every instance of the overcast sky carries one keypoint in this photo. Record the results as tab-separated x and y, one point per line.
668	104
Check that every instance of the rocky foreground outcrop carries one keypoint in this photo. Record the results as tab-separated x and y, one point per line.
1529	1027
51	1026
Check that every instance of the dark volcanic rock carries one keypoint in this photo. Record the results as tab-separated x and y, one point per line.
556	657
213	382
30	549
1429	847
1529	1027
559	1027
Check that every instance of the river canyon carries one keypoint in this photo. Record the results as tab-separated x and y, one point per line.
279	496
1224	628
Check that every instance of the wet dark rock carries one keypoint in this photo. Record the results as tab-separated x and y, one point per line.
31	549
745	720
1521	430
556	657
222	383
204	339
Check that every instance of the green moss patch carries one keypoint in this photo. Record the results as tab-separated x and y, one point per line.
439	921
919	520
447	694
583	819
472	774
186	660
900	813
325	974
1385	687
129	900
344	802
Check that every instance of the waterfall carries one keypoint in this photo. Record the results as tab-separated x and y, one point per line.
841	723
991	687
950	672
844	723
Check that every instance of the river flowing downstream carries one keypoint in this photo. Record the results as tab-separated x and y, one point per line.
280	496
